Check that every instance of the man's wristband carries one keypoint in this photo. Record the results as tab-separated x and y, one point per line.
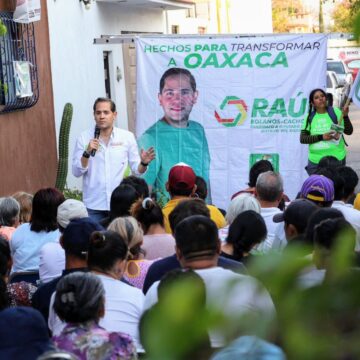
144	164
85	154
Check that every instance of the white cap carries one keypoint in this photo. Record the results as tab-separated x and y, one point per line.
70	209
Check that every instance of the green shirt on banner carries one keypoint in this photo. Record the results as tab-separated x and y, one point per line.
173	145
321	124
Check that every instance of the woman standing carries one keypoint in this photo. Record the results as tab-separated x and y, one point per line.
317	130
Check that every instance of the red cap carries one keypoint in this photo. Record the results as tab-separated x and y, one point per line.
181	177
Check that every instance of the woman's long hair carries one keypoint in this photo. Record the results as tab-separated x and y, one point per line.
311	106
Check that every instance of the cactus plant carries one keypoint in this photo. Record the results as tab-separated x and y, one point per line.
3	28
62	168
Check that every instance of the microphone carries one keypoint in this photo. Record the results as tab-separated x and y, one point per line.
96	136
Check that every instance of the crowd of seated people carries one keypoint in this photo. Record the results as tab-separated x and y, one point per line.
117	289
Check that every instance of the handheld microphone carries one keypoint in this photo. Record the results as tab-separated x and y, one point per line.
96	136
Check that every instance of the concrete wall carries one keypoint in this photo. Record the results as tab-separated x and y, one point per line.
77	64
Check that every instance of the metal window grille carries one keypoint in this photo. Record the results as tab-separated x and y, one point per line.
18	44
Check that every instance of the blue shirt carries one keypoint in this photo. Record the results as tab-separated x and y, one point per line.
25	247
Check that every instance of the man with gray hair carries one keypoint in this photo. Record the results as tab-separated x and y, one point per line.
269	191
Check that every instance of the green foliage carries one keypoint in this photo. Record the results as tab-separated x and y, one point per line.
313	322
161	197
356	27
72	194
3	29
319	322
62	169
345	16
282	12
172	328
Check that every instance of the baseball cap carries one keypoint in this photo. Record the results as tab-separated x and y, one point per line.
318	188
76	236
182	177
27	337
297	213
70	209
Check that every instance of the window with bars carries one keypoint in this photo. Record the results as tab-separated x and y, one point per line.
18	68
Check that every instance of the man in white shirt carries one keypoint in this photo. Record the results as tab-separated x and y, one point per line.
198	248
101	157
345	182
269	192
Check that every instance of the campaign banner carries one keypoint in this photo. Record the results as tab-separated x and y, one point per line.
224	103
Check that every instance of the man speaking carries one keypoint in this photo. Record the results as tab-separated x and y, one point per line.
101	156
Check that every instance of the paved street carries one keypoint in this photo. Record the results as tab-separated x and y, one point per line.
353	156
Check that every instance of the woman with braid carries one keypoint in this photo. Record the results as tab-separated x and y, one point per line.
318	130
246	231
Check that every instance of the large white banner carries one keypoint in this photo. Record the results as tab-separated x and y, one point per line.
249	103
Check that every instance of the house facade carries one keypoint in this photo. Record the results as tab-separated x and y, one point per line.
82	71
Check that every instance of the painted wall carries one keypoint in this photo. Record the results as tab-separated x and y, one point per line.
77	64
28	158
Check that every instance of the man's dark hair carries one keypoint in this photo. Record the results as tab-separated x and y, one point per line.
177	71
107	100
332	174
201	187
258	168
269	186
44	209
327	232
329	162
179	192
197	237
339	184
138	183
350	178
316	218
186	208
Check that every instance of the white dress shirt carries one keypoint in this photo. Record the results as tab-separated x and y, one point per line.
275	239
352	216
106	169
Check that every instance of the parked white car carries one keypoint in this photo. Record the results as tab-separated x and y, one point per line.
344	76
333	87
